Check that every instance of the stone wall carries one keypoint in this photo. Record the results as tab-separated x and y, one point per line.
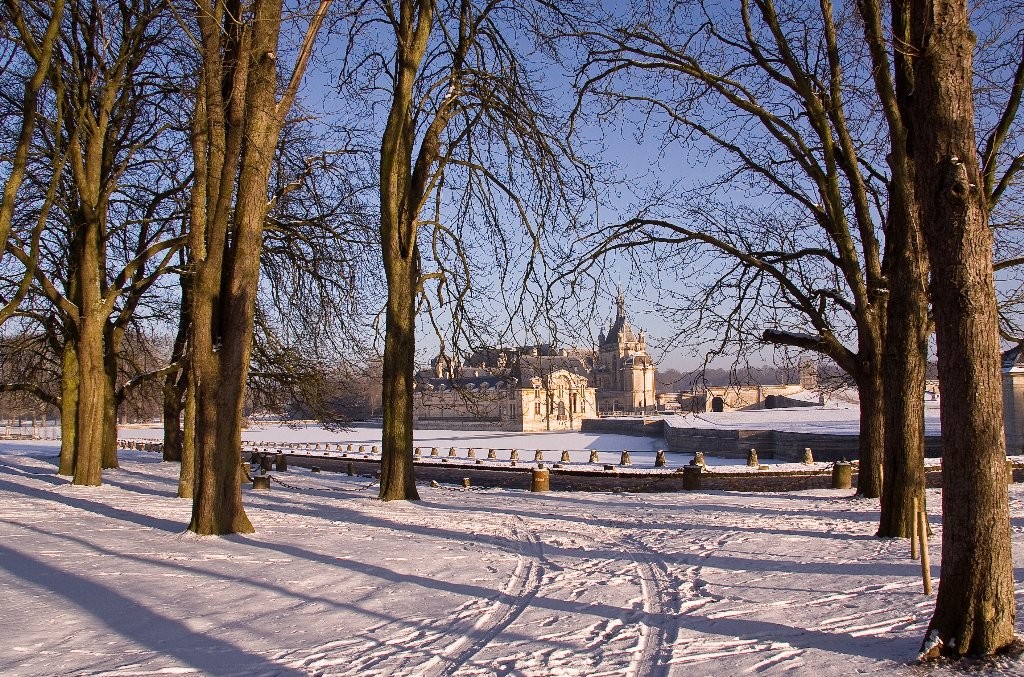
774	444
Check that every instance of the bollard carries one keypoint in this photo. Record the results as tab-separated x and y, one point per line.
261	483
691	476
465	482
842	475
471	453
349	448
491	453
698	458
452	453
350	469
808	456
434	451
362	448
565	456
659	459
514	455
266	463
538	455
752	458
254	457
541	480
593	456
625	460
281	463
374	450
416	452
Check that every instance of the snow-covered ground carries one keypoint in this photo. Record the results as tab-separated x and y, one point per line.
105	581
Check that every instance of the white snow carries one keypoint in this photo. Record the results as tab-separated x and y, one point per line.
105	581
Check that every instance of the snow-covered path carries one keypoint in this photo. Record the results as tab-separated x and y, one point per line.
493	582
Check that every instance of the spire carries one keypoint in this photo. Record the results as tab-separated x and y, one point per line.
620	303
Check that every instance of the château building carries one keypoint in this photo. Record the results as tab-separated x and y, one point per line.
539	387
520	389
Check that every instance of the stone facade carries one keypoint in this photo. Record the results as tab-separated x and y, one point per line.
523	389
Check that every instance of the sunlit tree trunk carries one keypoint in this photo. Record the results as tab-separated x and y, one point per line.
975	607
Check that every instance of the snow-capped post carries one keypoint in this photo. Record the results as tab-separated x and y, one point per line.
514	455
808	456
492	454
280	463
691	476
261	483
538	455
659	459
698	459
266	463
350	469
349	448
593	456
752	458
465	483
374	450
471	453
434	451
417	452
842	475
625	460
565	456
452	453
362	448
541	480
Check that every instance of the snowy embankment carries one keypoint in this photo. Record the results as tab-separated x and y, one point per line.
465	582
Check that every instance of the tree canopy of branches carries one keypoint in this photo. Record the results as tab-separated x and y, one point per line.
470	146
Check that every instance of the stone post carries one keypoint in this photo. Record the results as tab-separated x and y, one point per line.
752	458
691	476
842	475
540	480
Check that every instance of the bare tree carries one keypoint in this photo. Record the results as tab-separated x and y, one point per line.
975	608
469	146
237	123
782	105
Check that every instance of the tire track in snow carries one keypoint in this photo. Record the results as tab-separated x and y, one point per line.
655	640
515	597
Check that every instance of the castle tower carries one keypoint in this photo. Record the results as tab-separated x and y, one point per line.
624	370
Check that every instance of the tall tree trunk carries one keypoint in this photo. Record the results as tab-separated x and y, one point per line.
186	478
872	429
68	408
110	405
397	481
906	349
176	383
402	186
91	402
91	367
974	611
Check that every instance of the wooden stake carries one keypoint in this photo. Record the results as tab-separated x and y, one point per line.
922	532
913	531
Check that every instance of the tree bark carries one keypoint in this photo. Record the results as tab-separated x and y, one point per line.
974	612
906	349
397	481
402	187
872	429
187	476
68	409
